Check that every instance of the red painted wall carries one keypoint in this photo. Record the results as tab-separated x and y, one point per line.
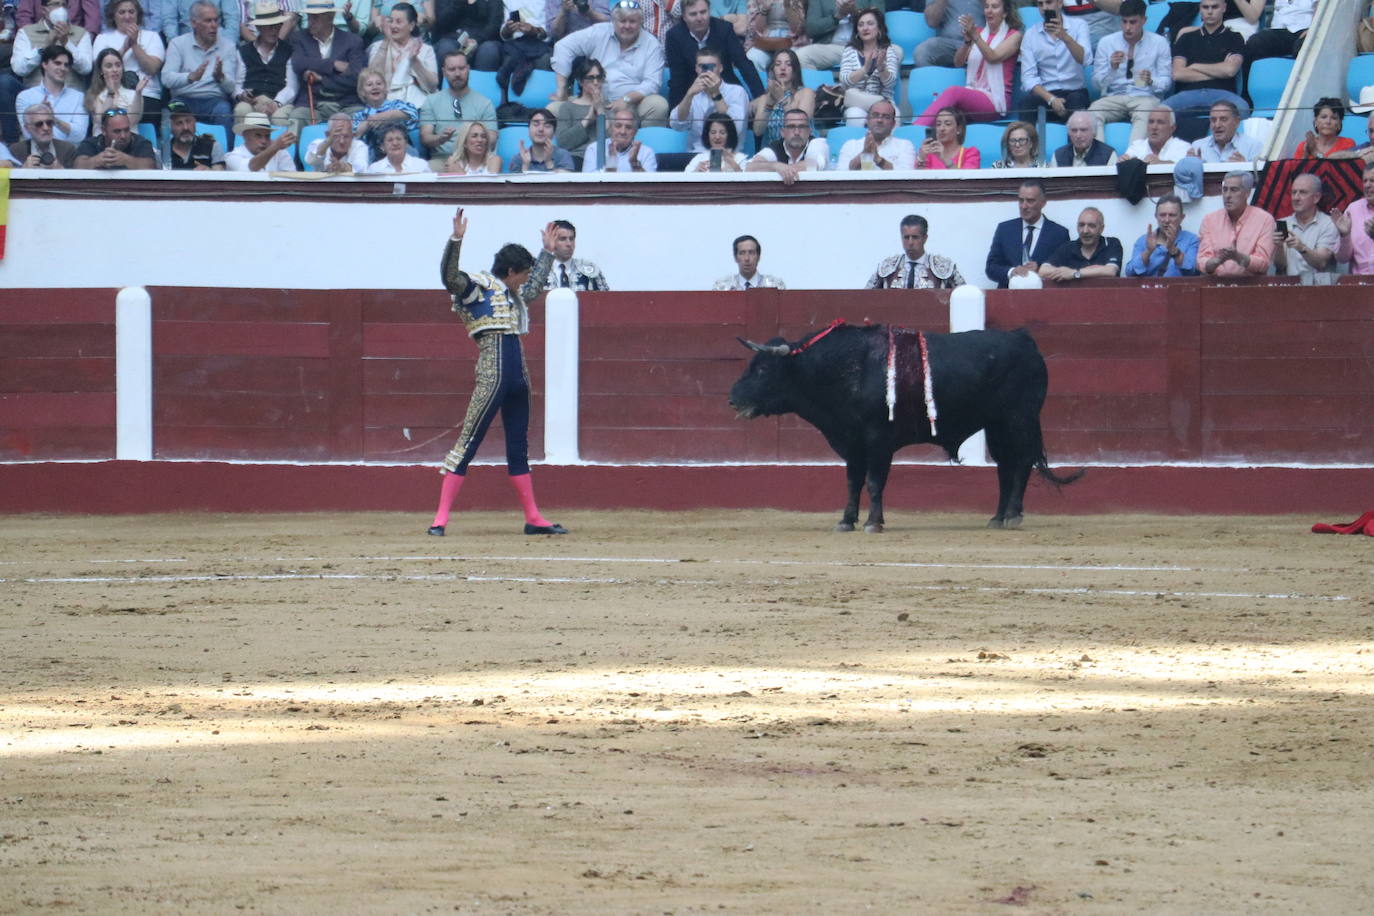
1177	372
57	378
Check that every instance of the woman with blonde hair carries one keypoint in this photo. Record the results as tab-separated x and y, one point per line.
1020	147
473	153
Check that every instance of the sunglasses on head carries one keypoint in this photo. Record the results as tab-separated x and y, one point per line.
626	5
113	112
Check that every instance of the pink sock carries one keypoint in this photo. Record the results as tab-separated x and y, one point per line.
448	492
525	489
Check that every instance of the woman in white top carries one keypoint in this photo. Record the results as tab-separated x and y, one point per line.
396	156
472	154
989	55
406	61
870	67
141	50
720	137
107	88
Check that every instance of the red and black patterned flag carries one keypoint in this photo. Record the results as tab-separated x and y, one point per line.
1342	183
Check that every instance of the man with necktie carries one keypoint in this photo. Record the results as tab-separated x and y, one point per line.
1020	246
915	268
557	268
747	251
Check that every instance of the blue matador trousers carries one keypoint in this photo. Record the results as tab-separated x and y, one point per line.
502	386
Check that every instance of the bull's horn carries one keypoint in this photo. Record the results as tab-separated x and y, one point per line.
775	349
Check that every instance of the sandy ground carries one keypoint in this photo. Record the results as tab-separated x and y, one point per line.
699	712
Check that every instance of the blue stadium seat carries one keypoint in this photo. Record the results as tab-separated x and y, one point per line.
1118	135
925	83
149	133
1056	135
663	139
1030	16
218	130
911	132
907	30
836	137
815	79
1154	15
1268	79
308	136
988	140
508	141
538	88
484	83
1359	74
1356	127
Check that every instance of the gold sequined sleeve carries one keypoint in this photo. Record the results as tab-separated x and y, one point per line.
455	281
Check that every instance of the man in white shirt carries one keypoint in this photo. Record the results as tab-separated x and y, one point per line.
1159	143
795	153
1224	143
69	109
1308	248
1053	55
878	149
1133	70
338	150
709	93
257	151
623	152
54	28
633	59
747	252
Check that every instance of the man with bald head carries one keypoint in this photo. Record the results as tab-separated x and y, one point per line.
1083	147
1090	255
1306	247
878	149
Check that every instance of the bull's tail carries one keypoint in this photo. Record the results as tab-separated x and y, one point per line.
1043	466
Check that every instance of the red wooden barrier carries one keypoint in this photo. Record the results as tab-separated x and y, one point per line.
1182	372
57	375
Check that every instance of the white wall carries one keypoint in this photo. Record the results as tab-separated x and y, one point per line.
58	242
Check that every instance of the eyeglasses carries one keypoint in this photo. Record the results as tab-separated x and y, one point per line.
594	78
49	122
1017	141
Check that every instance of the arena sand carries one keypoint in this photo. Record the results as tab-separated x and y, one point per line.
685	713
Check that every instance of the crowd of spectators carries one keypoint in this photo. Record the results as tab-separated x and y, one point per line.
619	66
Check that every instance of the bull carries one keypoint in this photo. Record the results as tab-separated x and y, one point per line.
837	380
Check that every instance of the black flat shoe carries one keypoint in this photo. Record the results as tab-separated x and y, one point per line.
545	529
437	530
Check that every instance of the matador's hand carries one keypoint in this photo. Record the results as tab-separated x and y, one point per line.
460	225
549	236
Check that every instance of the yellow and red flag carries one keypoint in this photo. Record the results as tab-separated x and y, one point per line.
4	207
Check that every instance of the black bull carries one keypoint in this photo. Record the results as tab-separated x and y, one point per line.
837	381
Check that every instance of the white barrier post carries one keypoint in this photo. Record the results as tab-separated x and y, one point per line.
133	375
968	312
560	377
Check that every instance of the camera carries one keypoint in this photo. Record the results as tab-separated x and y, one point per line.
930	133
1282	226
1050	15
708	68
45	158
715	159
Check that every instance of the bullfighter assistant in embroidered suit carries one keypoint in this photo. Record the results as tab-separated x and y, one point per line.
495	315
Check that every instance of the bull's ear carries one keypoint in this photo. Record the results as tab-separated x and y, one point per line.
776	350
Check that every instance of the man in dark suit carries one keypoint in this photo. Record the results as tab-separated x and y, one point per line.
698	29
1020	246
332	80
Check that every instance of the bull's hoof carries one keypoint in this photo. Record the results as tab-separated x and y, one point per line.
1012	521
873	528
994	523
843	526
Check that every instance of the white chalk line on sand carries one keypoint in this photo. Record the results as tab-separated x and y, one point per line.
589	580
827	564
